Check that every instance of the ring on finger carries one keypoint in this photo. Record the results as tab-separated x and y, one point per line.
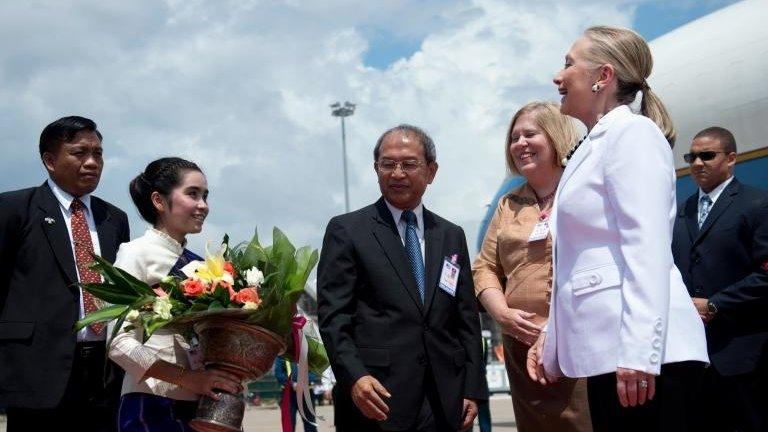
643	384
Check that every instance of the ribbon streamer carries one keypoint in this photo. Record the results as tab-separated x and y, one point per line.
301	350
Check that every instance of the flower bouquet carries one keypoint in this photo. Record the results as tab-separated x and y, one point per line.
241	303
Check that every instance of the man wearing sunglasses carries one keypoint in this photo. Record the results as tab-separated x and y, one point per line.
720	245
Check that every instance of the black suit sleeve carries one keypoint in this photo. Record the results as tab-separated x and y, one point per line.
747	297
125	233
337	277
475	386
10	227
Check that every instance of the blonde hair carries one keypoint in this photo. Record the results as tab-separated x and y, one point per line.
558	128
631	58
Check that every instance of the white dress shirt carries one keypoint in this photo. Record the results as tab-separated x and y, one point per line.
149	258
65	200
397	215
715	193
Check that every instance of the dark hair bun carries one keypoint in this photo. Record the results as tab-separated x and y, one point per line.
161	176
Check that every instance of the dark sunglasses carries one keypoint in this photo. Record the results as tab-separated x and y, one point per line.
704	156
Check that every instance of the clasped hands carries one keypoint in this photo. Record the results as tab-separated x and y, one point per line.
369	394
517	323
633	387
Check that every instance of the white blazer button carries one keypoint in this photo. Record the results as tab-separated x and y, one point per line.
659	327
654	358
656	342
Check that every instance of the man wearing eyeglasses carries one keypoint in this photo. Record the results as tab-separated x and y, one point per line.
396	303
720	245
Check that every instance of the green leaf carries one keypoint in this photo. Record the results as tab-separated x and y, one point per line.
215	305
174	292
306	259
198	307
228	251
118	325
317	358
275	317
253	256
221	295
121	279
102	315
153	325
110	294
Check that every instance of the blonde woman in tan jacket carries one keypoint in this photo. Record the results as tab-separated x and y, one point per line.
513	272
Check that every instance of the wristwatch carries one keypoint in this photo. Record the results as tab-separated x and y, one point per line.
711	308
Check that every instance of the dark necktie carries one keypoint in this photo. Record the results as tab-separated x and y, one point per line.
413	248
84	257
705	205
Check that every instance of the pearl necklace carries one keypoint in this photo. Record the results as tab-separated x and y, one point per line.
568	157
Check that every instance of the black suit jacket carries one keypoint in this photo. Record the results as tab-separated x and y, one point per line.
39	298
725	261
372	319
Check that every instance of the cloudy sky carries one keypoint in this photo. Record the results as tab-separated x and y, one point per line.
243	87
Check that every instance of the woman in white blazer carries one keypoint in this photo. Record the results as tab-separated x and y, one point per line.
620	314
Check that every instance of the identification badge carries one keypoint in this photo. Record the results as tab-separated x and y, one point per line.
449	277
540	231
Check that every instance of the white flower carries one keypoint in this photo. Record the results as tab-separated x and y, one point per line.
168	279
250	306
162	307
132	316
254	277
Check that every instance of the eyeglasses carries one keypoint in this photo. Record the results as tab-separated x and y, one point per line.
408	166
704	156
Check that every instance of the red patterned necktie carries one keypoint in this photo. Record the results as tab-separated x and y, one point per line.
84	257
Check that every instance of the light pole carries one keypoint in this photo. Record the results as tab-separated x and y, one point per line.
346	110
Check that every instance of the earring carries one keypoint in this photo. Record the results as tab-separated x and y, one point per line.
595	87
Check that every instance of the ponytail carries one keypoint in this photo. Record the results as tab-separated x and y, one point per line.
652	107
631	58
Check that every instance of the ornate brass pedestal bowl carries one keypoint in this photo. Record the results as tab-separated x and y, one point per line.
245	350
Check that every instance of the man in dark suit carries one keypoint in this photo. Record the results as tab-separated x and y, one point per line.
396	305
52	378
720	245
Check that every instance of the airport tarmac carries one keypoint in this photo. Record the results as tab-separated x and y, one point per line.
267	418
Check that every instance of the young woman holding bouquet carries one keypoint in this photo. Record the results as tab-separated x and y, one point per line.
160	388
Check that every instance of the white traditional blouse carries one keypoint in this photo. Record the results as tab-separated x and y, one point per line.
149	258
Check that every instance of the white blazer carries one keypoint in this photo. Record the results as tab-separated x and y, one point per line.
618	299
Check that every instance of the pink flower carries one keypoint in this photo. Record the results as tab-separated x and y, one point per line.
229	268
160	293
192	288
248	295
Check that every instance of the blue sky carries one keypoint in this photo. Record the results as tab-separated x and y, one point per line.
652	19
243	88
656	18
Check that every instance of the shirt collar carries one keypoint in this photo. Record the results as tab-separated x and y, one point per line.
398	213
714	194
608	118
159	237
65	198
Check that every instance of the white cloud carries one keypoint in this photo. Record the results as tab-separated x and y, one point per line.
243	87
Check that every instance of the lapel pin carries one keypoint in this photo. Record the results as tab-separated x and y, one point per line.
49	220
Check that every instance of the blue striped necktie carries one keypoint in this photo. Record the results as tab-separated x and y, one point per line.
705	204
413	248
